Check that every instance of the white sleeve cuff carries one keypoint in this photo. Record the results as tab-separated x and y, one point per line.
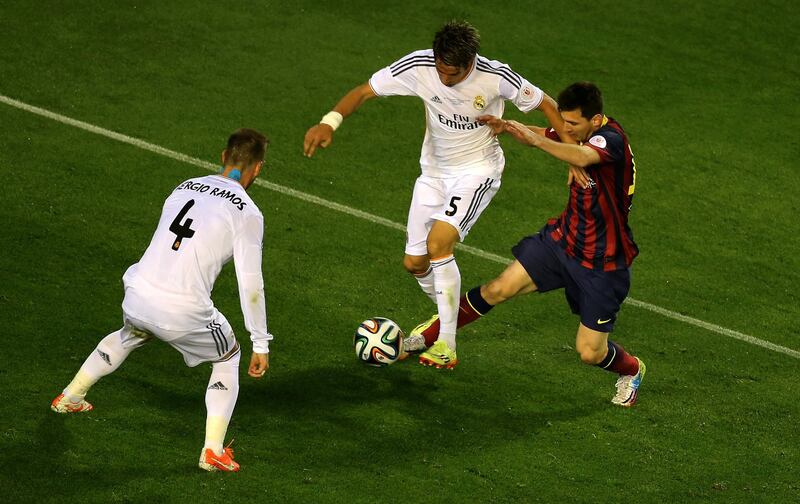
261	345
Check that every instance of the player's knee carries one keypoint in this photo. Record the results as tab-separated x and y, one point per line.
589	355
416	265
438	247
496	292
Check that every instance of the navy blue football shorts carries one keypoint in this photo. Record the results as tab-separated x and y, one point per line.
594	295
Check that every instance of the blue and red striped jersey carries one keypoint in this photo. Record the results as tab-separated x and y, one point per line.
594	226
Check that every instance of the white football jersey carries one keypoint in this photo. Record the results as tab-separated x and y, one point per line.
455	144
204	223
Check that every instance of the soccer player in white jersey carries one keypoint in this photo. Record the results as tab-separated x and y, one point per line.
204	223
461	160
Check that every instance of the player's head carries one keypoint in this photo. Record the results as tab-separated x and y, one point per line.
454	48
244	154
581	107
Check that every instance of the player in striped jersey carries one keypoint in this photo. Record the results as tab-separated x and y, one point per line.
205	222
461	160
589	248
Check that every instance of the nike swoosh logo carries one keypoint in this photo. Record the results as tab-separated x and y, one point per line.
603	321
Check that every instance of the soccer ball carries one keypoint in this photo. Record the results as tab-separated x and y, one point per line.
378	341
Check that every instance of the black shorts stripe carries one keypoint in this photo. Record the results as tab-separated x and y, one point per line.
511	80
475	203
214	337
472	217
221	336
414	65
220	341
472	203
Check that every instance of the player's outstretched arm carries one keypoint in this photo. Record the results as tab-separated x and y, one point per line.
321	135
576	155
549	108
498	125
259	364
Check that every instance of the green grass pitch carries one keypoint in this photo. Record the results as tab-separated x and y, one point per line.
708	94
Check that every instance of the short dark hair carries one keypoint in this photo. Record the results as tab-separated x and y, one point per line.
582	95
245	148
456	44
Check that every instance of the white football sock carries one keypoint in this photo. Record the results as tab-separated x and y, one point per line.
448	287
426	281
104	360
221	394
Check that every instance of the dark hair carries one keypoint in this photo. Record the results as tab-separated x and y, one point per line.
245	148
582	95
456	44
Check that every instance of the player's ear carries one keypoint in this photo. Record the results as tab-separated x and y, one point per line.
257	168
597	120
223	156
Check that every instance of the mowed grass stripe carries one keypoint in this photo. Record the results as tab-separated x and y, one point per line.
372	218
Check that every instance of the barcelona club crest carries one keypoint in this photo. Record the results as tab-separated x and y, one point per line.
479	102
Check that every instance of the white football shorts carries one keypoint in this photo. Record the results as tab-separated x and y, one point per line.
459	201
210	342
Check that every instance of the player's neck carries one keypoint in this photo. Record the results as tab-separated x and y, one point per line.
603	122
231	172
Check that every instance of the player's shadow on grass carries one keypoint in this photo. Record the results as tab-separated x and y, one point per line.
353	402
54	465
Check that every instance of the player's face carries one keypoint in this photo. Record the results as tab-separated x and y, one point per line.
451	75
577	126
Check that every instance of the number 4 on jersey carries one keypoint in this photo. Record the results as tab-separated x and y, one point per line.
182	230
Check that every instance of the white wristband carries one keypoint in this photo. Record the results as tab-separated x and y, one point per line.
333	119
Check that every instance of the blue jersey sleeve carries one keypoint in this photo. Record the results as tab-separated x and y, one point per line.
609	144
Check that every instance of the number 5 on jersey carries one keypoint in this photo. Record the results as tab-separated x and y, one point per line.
182	230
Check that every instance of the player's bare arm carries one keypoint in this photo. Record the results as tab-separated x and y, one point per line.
259	364
576	155
498	125
321	135
550	109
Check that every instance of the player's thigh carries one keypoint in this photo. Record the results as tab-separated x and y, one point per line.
466	199
212	342
597	295
134	333
428	198
540	261
209	340
442	239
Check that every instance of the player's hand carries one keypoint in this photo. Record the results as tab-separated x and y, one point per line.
319	135
498	125
521	133
259	363
579	176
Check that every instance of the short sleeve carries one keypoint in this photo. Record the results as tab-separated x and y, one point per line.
400	78
525	97
609	144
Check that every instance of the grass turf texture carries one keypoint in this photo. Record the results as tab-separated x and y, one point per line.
701	89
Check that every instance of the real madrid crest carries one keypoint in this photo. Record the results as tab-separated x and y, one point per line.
479	102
